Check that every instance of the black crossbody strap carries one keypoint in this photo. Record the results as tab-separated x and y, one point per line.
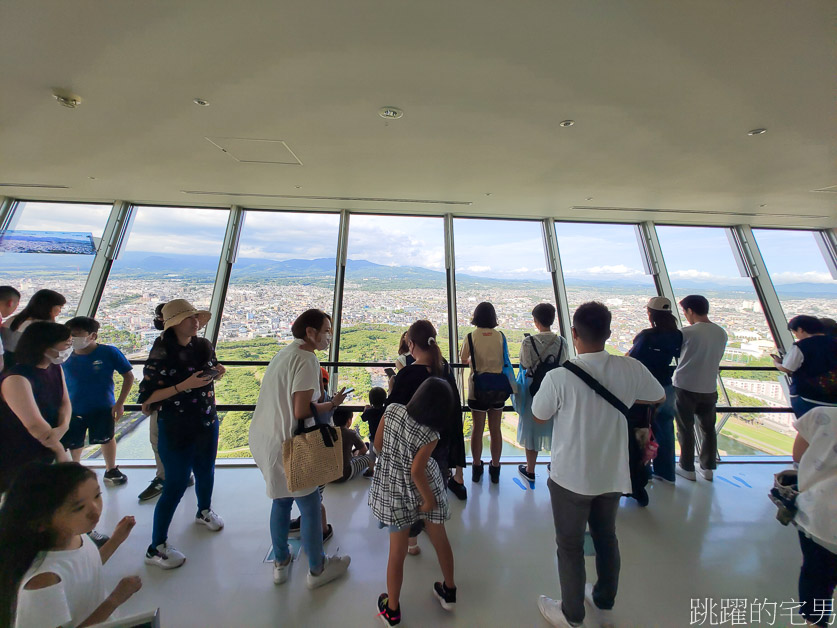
473	355
593	383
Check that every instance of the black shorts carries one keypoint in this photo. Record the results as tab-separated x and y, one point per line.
484	407
99	423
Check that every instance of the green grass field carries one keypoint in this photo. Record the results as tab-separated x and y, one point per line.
760	437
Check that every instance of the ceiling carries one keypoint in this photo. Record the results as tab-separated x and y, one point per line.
662	94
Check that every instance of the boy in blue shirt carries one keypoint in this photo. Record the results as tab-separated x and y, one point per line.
89	374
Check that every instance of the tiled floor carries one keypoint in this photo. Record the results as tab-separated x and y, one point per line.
695	540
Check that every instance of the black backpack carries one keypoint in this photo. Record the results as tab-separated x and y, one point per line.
543	366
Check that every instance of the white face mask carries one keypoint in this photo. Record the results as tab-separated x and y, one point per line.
62	356
80	342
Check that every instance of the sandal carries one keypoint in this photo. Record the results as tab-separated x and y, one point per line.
413	550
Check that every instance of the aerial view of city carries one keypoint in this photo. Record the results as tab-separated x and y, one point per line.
267	291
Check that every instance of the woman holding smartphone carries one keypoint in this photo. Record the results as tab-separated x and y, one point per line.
178	383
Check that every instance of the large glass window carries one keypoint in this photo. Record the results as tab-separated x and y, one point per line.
170	253
58	226
395	275
602	262
798	272
700	261
501	261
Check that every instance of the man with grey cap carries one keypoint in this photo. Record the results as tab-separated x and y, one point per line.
658	348
696	388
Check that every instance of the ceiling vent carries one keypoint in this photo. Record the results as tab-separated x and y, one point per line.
831	188
582	208
256	151
43	186
367	199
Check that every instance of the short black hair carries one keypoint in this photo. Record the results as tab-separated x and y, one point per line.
591	322
83	323
830	326
697	303
158	316
377	396
544	313
36	339
8	292
484	316
309	318
341	416
808	324
432	403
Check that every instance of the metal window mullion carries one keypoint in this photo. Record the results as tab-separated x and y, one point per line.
450	272
748	255
655	264
827	242
113	236
229	251
8	212
559	287
337	308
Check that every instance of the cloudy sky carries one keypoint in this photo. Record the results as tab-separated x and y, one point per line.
489	248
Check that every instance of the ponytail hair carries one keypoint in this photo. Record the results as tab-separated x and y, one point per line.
402	345
423	335
35	495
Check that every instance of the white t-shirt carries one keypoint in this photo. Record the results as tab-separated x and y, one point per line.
817	501
702	352
291	370
589	435
72	600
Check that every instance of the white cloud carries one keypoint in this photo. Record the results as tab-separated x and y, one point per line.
807	277
618	269
478	269
693	274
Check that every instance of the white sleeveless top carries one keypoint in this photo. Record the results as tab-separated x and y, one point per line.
69	602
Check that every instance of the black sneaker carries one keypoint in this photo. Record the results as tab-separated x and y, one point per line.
328	533
476	472
521	468
494	473
114	477
641	497
388	616
98	538
153	490
458	489
446	597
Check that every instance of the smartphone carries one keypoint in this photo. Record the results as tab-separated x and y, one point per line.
348	391
389	371
776	357
526	335
210	373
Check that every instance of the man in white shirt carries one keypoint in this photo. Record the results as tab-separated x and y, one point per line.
589	463
695	387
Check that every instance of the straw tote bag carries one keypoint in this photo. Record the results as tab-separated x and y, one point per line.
314	456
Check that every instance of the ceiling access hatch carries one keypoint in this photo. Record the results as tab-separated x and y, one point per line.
256	151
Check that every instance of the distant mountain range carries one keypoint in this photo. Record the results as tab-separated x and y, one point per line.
202	268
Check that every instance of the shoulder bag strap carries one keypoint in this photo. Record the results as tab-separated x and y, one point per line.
593	383
473	355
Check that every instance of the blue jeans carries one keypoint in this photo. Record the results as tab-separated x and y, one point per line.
663	427
179	463
311	528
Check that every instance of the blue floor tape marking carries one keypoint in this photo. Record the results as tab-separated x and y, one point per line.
723	479
742	481
519	483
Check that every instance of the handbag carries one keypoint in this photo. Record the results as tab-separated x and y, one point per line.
490	388
314	456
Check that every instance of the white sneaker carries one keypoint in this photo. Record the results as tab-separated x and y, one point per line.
210	519
706	473
333	567
689	475
280	571
554	614
600	615
165	556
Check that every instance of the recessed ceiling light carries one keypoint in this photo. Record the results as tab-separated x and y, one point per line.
589	198
390	113
566	123
92	178
757	132
763	205
66	99
201	102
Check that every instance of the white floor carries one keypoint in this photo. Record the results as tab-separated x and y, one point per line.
695	540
